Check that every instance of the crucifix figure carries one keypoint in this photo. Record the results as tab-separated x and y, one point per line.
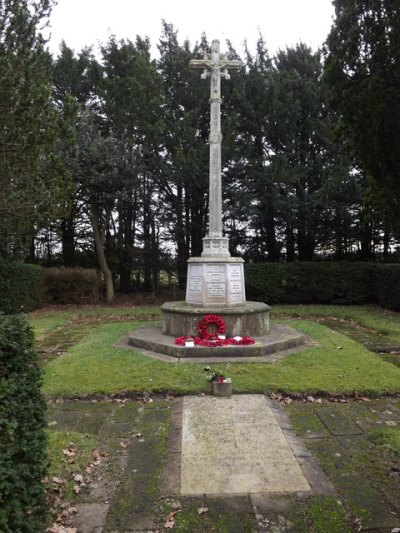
215	67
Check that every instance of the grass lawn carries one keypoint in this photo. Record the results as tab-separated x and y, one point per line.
339	365
373	319
80	358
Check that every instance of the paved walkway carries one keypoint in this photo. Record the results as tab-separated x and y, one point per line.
157	473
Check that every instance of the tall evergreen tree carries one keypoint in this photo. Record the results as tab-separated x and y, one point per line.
183	175
363	72
131	95
31	184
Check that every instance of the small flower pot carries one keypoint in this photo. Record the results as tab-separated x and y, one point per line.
223	389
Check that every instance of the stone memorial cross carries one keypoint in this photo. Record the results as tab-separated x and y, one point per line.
215	67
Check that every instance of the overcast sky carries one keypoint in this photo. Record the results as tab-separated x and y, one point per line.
281	22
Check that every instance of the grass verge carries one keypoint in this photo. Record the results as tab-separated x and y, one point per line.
338	366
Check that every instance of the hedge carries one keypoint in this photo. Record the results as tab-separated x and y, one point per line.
22	437
71	285
324	283
21	286
24	287
388	286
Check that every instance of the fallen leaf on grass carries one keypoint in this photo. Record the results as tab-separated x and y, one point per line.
78	478
170	520
358	524
202	510
57	480
71	452
58	528
76	489
96	457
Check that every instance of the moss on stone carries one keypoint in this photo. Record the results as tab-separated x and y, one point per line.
323	514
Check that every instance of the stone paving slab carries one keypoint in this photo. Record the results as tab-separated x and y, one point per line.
129	496
235	446
360	475
338	423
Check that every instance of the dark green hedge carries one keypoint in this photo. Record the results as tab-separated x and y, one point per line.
25	287
324	283
21	287
71	285
22	437
388	286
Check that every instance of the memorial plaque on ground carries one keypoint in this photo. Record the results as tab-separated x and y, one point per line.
235	446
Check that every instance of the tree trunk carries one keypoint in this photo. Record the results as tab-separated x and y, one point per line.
181	245
386	243
272	247
124	246
290	240
101	256
67	241
366	250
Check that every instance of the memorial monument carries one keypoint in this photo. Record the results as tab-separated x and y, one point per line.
215	281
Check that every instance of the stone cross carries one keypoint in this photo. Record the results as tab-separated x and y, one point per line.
215	66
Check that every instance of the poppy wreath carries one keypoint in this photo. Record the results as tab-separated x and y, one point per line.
206	321
211	339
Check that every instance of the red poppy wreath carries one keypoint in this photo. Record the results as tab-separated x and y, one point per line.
208	320
211	338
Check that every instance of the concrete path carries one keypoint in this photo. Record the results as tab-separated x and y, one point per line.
204	464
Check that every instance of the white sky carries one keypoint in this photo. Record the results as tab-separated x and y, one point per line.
281	22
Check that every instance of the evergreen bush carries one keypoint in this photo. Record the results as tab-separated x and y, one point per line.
22	437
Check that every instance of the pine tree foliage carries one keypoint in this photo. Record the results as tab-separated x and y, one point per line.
363	72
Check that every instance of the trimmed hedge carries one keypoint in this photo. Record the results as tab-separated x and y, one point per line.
324	283
71	285
22	438
388	286
21	286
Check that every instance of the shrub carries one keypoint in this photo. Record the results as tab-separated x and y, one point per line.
311	282
71	285
22	437
388	286
21	286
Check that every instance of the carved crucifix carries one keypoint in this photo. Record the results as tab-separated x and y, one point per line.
215	66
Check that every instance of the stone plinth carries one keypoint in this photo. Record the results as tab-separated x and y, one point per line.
224	389
267	349
250	318
215	281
